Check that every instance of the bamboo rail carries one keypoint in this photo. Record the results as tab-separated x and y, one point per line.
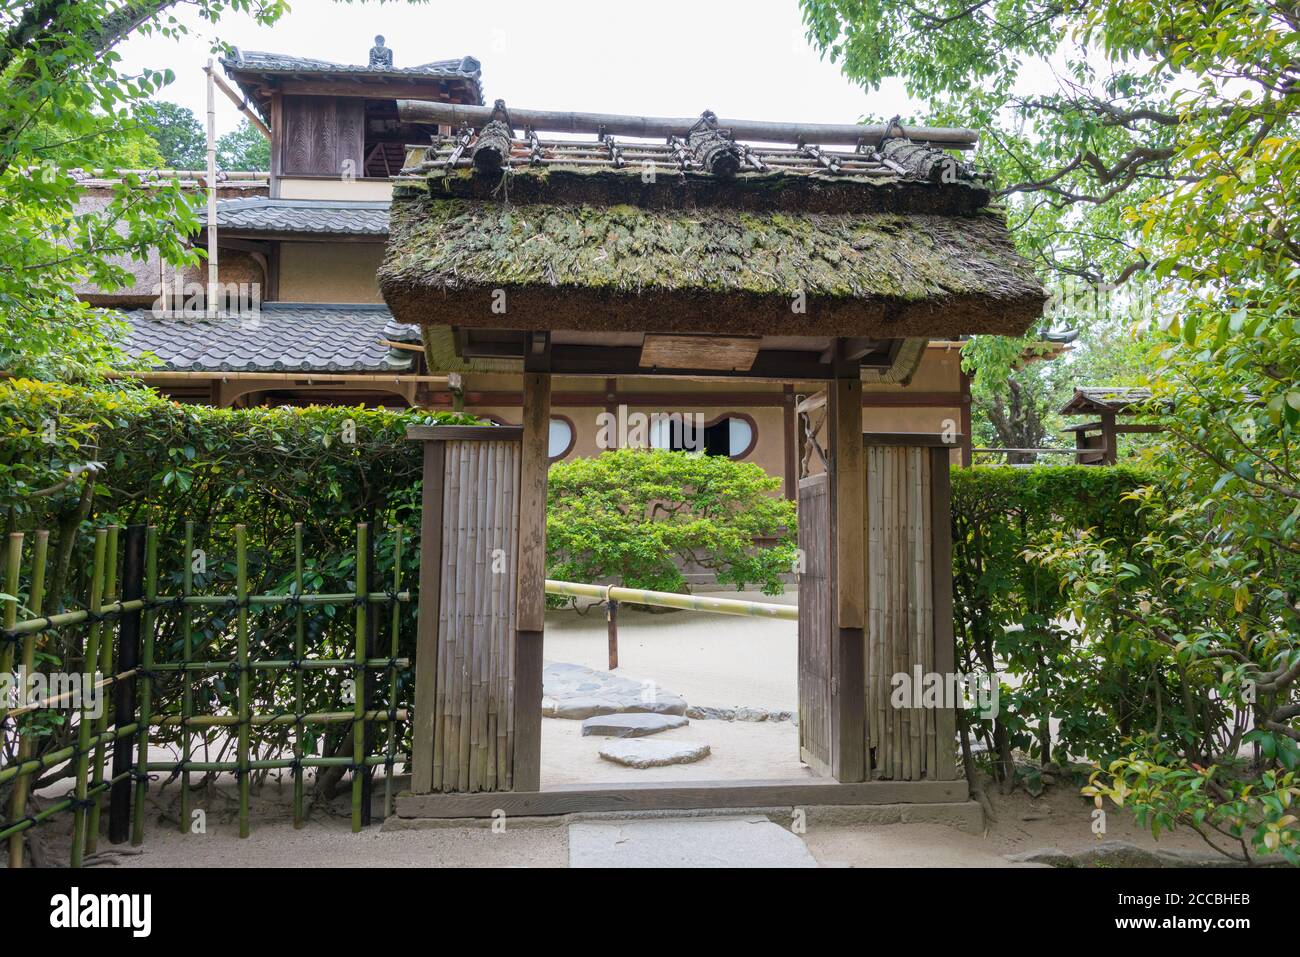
662	599
102	618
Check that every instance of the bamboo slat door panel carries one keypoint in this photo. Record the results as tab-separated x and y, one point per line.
815	623
909	581
473	740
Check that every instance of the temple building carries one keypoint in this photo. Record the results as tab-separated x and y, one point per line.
309	238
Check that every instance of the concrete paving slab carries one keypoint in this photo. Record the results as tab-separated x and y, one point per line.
732	841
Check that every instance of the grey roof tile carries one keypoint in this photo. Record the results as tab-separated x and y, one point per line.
261	214
283	337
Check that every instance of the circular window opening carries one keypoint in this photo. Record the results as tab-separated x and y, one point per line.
561	438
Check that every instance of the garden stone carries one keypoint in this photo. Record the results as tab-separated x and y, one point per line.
631	725
638	753
575	692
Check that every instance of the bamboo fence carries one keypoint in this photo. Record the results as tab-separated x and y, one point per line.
116	759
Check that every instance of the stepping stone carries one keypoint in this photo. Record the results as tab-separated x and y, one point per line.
573	691
636	753
631	725
747	841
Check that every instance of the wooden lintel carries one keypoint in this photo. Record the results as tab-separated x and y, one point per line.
723	353
640	796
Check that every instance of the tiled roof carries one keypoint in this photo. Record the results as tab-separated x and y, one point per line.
462	78
288	337
1105	398
260	61
316	216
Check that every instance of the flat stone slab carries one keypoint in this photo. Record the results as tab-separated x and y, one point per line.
631	725
638	753
576	692
737	841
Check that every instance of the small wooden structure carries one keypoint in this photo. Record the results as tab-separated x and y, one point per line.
698	257
1097	441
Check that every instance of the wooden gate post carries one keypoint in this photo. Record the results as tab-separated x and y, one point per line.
531	596
848	581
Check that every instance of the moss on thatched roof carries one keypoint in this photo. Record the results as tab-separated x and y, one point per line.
715	266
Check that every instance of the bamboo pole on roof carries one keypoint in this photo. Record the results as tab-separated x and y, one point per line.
241	653
35	601
146	678
90	651
299	649
393	648
187	683
106	668
359	687
659	127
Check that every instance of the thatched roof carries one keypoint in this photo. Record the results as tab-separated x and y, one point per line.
815	257
875	251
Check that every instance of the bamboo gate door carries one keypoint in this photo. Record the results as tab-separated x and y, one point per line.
873	697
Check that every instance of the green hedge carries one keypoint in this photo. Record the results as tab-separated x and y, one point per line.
628	516
1008	611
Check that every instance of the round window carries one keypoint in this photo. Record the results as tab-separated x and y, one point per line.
561	439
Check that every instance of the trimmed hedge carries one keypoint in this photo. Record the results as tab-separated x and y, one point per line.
330	467
1009	612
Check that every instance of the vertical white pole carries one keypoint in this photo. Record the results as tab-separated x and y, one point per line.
212	194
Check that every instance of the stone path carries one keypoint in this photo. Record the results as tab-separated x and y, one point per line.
631	725
736	841
639	753
574	691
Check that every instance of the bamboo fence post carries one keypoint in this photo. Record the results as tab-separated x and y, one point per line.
187	682
89	654
35	601
241	637
105	650
12	573
146	681
393	648
359	681
299	646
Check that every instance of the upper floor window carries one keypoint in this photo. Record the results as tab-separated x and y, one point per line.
733	434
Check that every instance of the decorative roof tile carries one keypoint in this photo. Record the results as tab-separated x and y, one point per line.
282	337
320	217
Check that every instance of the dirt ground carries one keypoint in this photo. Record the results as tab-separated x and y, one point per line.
712	660
1060	819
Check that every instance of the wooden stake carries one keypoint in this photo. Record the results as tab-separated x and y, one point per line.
241	663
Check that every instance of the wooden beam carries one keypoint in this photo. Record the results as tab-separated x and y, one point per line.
530	607
848	491
790	438
639	796
240	103
724	353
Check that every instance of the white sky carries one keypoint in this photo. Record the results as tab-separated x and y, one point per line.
745	59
